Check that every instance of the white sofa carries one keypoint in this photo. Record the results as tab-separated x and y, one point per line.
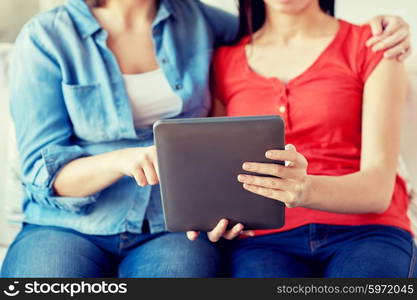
10	190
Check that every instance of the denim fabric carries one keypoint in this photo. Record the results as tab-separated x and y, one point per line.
326	251
44	251
68	100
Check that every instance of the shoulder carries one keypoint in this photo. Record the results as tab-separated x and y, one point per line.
199	6
215	13
48	21
48	29
198	9
356	34
362	59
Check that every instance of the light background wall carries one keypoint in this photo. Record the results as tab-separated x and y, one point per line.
3	138
13	14
359	11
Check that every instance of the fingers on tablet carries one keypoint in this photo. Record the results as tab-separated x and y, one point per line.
234	232
192	235
140	177
289	154
248	233
150	172
216	234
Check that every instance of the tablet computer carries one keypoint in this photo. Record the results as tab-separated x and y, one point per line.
199	161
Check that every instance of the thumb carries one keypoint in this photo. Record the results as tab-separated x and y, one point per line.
192	235
290	147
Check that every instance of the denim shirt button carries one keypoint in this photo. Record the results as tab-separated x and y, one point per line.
178	86
164	60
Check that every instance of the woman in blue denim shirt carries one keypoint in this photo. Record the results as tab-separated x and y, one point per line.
92	204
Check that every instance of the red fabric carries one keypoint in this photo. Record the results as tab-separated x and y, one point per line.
323	111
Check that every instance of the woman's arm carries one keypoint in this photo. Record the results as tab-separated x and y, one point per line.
55	171
89	175
367	191
42	124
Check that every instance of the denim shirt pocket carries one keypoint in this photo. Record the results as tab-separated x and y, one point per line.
86	111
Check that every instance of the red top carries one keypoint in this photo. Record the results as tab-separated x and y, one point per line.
322	109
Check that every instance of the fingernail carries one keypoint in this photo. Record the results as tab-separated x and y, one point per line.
268	154
241	178
387	55
246	166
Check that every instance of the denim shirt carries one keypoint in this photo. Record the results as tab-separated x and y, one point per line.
68	100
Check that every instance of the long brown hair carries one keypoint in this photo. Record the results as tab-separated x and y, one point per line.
252	15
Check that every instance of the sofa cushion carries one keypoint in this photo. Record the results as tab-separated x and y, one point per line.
11	214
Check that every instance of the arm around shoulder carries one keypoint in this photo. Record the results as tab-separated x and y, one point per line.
224	24
370	190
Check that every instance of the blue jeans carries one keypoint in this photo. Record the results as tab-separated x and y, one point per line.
326	251
42	251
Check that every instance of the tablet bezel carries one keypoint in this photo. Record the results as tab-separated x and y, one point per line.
184	214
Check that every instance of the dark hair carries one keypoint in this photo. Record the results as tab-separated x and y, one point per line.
252	15
95	3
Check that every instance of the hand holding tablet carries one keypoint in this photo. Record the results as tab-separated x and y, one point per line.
199	163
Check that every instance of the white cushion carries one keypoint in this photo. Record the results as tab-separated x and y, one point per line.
14	189
10	215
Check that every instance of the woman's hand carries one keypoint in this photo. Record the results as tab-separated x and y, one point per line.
390	33
140	164
289	183
220	231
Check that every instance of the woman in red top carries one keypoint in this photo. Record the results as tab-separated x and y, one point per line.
342	104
